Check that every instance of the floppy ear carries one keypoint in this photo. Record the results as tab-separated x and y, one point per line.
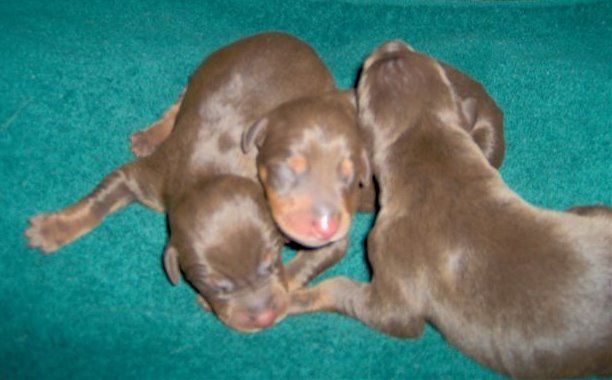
366	175
254	135
468	109
171	264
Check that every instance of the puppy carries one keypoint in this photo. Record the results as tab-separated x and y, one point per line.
525	291
221	236
228	247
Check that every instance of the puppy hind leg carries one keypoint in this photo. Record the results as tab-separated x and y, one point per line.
144	142
50	231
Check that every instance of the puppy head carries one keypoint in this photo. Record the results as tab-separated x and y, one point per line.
225	242
311	161
400	83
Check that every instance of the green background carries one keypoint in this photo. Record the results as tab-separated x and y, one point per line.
77	77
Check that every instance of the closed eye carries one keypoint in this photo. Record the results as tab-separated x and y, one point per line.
223	286
282	177
216	284
347	171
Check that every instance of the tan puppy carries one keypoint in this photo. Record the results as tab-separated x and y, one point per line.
523	290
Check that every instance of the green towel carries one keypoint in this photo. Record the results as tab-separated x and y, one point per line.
77	77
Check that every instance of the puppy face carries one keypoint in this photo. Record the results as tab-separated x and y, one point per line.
310	162
228	248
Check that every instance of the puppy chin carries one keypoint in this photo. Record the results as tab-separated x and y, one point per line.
310	239
313	241
252	329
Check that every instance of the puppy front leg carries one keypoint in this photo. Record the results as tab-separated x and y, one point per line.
133	181
307	264
367	302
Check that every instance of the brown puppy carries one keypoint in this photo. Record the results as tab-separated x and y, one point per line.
221	236
224	240
523	290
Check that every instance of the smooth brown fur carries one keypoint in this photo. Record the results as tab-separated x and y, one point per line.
523	290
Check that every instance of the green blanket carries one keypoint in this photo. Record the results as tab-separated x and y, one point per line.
77	77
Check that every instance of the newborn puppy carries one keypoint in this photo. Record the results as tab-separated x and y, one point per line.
525	291
228	248
220	235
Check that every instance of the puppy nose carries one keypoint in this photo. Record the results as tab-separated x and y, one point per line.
327	225
265	318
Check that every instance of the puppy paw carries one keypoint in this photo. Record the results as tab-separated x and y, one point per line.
141	144
203	303
294	284
47	232
300	301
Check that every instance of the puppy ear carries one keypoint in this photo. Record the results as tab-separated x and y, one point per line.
468	109
366	175
171	264
254	135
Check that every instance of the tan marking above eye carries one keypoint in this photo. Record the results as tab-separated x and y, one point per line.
263	173
297	163
347	168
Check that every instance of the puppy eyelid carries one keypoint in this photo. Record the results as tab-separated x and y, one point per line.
347	169
222	285
281	178
297	163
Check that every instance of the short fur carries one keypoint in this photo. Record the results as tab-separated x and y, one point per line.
523	290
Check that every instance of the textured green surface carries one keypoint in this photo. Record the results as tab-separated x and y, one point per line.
77	77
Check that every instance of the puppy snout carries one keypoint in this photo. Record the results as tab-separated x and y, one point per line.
262	315
326	222
264	318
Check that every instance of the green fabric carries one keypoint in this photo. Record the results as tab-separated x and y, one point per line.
77	77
